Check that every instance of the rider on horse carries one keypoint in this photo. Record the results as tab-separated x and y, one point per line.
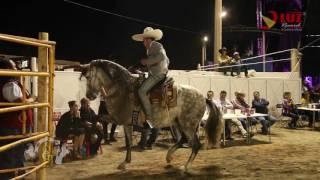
157	63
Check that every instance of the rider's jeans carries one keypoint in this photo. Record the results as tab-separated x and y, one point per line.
146	86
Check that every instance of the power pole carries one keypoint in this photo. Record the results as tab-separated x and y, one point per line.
217	29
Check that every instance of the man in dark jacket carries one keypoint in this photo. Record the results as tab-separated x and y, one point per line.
93	127
70	126
261	106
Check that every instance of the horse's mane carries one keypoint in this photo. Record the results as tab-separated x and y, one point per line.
115	71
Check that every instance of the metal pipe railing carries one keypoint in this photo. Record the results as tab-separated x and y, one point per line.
11	137
16	169
30	39
33	170
13	104
21	141
23	107
22	73
45	46
23	41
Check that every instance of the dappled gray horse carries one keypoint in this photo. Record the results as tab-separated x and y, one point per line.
186	115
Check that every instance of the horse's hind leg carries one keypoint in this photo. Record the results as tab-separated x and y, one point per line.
195	149
174	148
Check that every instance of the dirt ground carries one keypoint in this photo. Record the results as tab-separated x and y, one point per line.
292	154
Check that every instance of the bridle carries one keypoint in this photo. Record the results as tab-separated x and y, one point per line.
92	77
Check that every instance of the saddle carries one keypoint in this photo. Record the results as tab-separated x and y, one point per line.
164	93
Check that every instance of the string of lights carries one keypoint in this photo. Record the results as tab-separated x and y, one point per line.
130	18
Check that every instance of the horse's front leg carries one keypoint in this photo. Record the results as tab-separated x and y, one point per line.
128	137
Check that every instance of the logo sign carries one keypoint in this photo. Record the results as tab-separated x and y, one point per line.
287	21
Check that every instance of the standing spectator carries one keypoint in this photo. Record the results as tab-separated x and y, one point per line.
104	116
94	129
147	142
70	126
288	109
307	85
261	106
223	60
11	123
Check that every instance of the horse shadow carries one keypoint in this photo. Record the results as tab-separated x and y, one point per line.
208	172
243	142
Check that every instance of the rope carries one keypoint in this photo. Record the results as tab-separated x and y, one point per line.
313	46
129	18
313	35
312	42
277	52
278	60
246	59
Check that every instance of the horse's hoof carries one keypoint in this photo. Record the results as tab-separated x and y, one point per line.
169	159
122	166
183	168
169	166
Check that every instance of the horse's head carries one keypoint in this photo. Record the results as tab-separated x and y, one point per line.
103	73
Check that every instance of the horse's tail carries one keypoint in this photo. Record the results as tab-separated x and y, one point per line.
214	124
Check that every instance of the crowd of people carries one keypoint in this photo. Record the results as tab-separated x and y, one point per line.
260	105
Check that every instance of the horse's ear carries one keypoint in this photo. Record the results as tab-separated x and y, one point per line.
84	69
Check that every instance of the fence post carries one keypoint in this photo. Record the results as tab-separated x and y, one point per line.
42	97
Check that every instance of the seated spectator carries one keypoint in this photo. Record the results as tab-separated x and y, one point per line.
261	106
305	100
104	116
11	123
315	94
289	109
240	103
70	126
94	129
237	61
210	96
224	104
223	60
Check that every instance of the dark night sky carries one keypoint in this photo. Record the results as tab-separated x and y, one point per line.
82	34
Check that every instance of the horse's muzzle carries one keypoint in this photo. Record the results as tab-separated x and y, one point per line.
91	96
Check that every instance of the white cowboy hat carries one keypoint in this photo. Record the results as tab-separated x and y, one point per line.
148	32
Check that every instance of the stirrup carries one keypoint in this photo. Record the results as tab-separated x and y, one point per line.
148	124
